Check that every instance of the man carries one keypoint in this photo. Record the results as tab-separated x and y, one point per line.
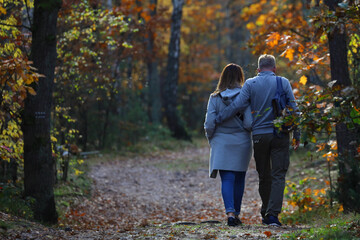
271	151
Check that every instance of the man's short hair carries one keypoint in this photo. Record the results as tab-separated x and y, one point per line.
266	61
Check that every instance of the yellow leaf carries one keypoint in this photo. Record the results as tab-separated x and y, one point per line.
261	20
303	80
2	11
78	172
250	26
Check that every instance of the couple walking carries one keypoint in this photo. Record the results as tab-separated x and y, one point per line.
239	120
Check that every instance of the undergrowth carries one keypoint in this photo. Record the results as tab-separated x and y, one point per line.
309	201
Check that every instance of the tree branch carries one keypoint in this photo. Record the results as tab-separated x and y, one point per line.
16	26
28	14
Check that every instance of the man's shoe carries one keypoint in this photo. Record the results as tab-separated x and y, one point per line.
265	221
274	221
271	221
231	221
238	221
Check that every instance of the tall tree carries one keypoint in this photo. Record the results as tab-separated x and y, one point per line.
153	76
346	138
172	74
38	162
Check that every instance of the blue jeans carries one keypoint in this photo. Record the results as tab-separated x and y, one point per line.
232	189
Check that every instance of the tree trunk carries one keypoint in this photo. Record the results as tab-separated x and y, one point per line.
153	75
38	163
346	138
172	74
83	116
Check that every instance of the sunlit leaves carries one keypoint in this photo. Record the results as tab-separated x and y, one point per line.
273	39
303	80
288	53
303	196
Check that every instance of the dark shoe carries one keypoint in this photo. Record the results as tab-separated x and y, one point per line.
265	221
238	221
231	221
271	221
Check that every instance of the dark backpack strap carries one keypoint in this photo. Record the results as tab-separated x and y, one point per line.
279	84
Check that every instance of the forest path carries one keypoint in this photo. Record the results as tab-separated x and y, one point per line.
166	195
162	195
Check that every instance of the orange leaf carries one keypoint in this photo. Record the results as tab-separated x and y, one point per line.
290	54
145	16
341	208
31	90
268	233
273	39
332	144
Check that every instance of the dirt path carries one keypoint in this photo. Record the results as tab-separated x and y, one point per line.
166	195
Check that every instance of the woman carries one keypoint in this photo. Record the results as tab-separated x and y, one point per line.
230	142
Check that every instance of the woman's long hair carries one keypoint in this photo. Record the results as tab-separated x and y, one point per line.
232	76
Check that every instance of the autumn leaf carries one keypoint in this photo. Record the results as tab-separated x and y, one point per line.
321	147
261	20
303	80
273	39
250	26
145	16
268	233
31	90
2	11
341	208
333	144
288	53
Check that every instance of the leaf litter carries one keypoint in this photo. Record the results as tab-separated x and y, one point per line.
163	195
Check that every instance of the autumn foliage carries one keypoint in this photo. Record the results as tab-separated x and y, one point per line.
16	78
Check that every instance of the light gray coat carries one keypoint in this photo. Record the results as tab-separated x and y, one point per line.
230	142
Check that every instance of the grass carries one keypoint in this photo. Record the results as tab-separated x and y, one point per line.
335	226
13	202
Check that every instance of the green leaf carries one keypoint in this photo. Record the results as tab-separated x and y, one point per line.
355	115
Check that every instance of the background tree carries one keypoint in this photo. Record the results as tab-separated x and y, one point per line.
152	66
172	75
347	136
38	161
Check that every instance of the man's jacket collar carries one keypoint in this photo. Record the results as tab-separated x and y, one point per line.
266	73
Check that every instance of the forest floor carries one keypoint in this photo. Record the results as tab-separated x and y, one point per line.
163	195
